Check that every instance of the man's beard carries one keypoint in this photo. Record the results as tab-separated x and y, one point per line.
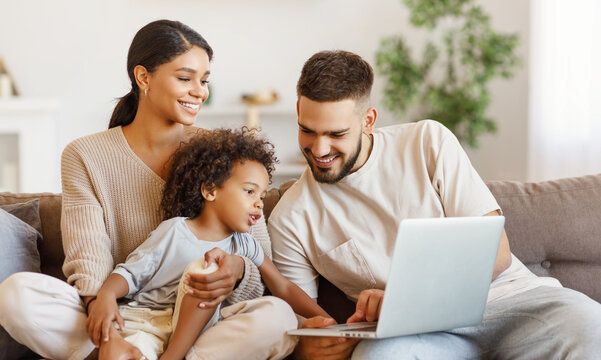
324	175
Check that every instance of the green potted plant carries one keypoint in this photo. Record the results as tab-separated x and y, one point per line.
472	54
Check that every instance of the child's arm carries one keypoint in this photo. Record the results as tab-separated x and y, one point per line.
283	288
105	310
190	322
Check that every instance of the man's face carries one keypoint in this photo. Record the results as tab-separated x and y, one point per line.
330	138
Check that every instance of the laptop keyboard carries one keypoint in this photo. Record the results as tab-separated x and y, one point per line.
361	326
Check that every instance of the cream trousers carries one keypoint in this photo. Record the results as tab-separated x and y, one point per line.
47	315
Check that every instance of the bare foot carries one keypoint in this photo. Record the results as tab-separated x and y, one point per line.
118	349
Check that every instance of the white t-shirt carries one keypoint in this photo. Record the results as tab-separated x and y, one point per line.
154	269
346	231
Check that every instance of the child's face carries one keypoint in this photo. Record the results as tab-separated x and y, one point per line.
239	201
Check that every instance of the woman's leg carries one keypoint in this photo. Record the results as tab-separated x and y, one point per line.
45	314
254	329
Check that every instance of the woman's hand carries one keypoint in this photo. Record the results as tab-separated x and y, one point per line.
368	307
101	314
215	287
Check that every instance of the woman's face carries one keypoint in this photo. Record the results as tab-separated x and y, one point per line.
177	89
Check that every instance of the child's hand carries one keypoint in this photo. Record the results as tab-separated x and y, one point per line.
215	255
102	312
119	349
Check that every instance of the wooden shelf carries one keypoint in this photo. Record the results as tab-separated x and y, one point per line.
241	110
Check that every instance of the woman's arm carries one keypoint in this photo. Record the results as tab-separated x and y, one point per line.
283	288
87	246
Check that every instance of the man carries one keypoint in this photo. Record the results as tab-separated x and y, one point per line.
340	221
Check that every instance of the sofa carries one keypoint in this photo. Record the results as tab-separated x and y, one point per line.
554	227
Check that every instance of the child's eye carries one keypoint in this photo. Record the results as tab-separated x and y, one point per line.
250	191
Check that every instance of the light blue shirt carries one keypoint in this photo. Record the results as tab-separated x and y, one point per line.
154	269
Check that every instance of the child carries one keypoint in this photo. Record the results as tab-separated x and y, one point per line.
213	194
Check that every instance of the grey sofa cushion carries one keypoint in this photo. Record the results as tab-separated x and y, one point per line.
51	248
19	243
554	227
28	212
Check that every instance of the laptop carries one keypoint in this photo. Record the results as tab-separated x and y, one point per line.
439	278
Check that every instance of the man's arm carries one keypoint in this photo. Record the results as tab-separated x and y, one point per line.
504	254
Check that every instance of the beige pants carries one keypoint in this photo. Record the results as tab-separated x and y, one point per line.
150	330
46	315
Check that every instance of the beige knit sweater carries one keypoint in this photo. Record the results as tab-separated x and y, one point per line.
111	203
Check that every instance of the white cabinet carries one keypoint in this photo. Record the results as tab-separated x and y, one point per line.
29	158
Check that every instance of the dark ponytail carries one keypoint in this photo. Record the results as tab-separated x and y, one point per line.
125	111
155	44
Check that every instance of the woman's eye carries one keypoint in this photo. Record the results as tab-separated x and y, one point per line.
204	82
184	79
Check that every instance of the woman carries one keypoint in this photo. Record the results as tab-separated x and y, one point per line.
112	187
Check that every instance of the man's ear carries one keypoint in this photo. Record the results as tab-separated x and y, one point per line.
142	77
369	120
209	192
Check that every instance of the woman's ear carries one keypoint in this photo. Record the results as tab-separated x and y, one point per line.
209	192
142	76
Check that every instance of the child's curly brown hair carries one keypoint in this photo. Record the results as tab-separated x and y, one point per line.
208	158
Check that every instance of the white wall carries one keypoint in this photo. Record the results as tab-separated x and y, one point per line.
76	51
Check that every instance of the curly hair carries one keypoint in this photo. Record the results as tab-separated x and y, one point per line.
208	158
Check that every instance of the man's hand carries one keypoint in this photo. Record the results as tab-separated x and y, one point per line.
331	348
215	287
368	307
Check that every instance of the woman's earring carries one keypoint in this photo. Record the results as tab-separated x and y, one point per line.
145	91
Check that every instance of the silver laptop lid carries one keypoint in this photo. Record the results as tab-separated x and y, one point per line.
440	274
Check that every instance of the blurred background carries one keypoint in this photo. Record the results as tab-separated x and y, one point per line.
66	60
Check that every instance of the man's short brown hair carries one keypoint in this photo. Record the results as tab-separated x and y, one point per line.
335	76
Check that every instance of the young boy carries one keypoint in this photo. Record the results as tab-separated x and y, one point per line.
213	194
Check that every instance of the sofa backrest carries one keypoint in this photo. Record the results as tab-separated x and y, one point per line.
51	248
554	227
